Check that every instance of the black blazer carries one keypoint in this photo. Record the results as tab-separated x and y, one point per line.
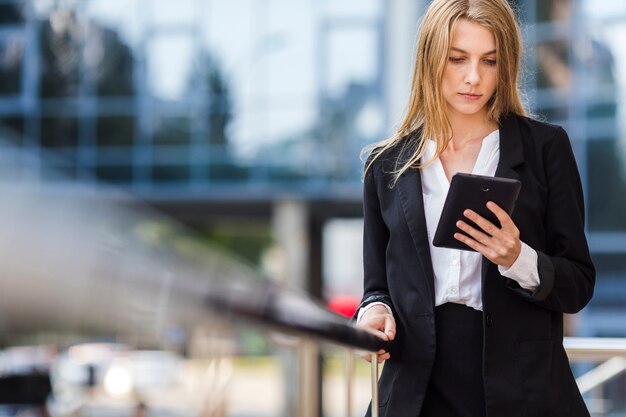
526	370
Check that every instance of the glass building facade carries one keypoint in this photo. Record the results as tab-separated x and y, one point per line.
263	96
151	94
212	95
245	99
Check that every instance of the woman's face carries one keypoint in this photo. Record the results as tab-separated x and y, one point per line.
470	77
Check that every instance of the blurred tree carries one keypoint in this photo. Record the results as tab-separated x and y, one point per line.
67	47
85	59
108	61
11	53
208	88
220	106
207	79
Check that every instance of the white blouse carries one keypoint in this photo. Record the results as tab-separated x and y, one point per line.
458	272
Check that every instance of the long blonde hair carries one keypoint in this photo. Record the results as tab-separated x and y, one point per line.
426	115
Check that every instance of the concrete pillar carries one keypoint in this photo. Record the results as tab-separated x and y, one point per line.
291	225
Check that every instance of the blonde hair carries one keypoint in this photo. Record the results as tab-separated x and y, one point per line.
426	115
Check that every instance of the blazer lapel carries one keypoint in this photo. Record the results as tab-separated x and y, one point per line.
511	156
410	190
511	152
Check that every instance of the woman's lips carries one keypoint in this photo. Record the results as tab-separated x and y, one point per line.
469	96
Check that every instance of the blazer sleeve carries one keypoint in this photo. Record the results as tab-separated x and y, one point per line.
375	240
566	272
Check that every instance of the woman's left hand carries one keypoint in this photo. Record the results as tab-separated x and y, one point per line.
501	245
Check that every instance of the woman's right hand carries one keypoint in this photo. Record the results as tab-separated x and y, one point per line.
379	322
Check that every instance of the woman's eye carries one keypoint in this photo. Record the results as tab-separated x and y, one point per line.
491	62
455	60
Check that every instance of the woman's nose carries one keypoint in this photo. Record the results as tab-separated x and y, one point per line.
472	76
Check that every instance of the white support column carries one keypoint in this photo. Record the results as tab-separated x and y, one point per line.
290	225
291	229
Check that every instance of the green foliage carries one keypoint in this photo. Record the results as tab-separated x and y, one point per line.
247	240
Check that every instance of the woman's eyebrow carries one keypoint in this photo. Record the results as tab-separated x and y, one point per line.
464	52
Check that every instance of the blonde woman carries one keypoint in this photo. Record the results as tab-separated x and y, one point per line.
475	333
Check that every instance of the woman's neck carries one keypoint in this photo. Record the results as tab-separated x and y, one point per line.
467	129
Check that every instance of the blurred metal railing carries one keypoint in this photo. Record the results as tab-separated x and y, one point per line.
611	352
79	263
76	262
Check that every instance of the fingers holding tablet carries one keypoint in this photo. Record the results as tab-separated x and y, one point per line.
501	245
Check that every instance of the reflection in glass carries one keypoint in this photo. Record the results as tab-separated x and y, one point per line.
353	8
164	173
169	60
172	130
59	132
181	12
60	54
11	129
115	166
352	59
11	64
115	131
108	61
223	167
11	13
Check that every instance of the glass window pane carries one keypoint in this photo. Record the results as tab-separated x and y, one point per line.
11	67
115	165
553	78
171	164
172	130
120	16
224	167
109	63
180	12
352	59
115	131
11	13
602	318
353	8
60	55
606	185
285	53
11	130
58	132
110	36
170	59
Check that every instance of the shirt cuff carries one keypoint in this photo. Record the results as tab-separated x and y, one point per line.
524	269
367	307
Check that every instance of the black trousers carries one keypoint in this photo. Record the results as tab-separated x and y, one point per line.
456	386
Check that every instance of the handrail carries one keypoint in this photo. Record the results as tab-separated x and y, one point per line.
594	348
268	303
109	256
610	351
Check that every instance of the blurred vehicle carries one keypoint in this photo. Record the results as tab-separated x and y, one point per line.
113	379
25	380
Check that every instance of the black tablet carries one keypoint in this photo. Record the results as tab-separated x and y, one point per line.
473	192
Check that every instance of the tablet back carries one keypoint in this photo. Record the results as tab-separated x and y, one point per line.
473	192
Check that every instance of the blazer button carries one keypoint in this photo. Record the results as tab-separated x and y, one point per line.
488	320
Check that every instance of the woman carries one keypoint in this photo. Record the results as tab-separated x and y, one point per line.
474	333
